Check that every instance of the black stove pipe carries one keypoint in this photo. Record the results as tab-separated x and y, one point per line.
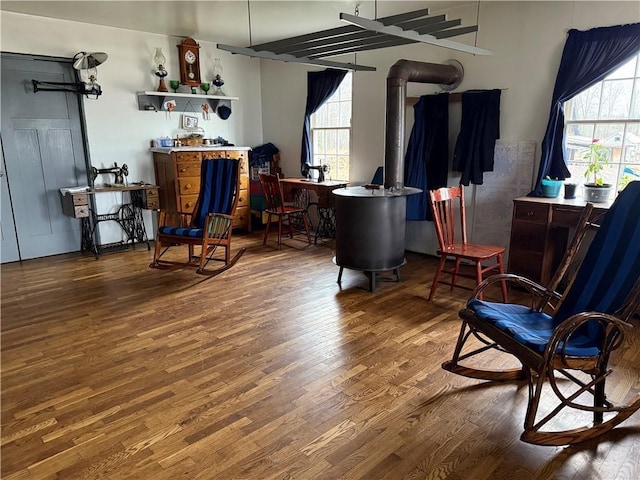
400	73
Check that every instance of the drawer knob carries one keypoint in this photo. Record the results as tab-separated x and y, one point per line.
530	214
188	187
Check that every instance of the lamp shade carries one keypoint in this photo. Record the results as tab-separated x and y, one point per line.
84	60
159	57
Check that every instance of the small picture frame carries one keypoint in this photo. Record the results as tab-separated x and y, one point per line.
189	122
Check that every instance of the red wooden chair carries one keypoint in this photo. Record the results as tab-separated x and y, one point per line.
276	207
444	204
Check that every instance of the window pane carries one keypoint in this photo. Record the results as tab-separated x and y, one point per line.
585	105
625	71
635	104
631	148
616	99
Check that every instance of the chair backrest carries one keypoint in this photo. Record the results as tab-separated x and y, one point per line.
611	267
271	189
447	203
219	186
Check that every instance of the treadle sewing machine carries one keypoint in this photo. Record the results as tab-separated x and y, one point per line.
76	204
118	172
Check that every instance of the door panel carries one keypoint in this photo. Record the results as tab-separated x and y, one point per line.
44	152
8	240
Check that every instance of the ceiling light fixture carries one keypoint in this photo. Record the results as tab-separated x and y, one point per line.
362	34
436	39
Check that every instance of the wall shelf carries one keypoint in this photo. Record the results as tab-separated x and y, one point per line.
185	102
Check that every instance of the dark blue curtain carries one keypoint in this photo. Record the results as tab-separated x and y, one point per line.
587	58
426	161
320	86
479	130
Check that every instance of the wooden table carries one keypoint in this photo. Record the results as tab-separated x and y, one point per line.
297	190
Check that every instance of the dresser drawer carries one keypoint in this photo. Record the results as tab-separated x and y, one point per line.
244	182
243	198
214	154
531	212
241	217
188	157
188	169
189	185
565	216
188	203
528	236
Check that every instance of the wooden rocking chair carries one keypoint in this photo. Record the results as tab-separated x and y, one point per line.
210	224
575	340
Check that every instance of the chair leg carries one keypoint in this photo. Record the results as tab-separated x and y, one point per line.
280	220
456	270
436	277
479	276
339	282
266	230
157	252
306	228
503	283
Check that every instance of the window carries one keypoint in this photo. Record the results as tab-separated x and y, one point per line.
331	131
609	111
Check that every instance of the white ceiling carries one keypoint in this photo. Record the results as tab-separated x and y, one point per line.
222	21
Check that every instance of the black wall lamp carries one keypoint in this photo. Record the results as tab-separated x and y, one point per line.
85	65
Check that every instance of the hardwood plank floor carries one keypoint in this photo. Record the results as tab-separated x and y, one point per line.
269	370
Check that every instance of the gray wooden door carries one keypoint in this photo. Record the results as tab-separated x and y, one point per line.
43	152
9	241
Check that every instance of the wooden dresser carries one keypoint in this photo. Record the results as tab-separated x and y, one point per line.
541	229
178	176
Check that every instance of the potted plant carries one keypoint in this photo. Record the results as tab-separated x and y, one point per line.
551	187
598	157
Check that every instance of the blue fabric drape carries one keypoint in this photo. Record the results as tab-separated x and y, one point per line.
588	57
479	130
218	183
426	163
320	86
604	281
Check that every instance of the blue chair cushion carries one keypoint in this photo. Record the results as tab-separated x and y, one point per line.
530	328
182	231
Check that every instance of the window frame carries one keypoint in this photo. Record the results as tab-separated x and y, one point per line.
333	158
624	163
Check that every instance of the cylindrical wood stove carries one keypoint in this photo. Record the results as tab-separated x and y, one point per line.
370	229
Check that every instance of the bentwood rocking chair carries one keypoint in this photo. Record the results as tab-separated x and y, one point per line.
564	341
448	209
209	226
285	214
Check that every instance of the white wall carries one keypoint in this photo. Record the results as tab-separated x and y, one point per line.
117	131
527	39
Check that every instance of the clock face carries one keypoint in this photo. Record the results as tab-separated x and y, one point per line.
190	57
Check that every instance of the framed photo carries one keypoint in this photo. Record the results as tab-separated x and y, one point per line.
189	121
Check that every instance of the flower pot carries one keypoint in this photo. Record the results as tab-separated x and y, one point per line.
551	188
570	190
597	193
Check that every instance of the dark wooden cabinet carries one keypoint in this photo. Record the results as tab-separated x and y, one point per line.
178	176
541	229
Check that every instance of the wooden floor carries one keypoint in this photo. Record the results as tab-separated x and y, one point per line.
269	370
